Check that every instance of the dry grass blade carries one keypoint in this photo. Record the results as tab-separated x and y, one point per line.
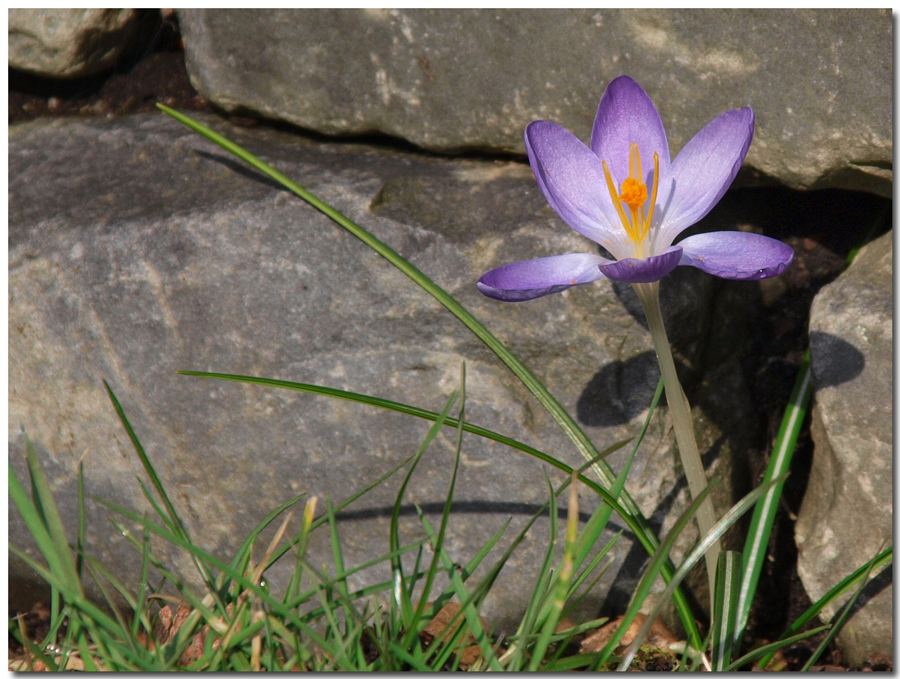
260	569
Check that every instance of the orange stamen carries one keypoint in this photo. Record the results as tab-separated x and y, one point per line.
617	202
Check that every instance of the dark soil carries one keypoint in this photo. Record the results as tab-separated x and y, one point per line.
813	223
155	72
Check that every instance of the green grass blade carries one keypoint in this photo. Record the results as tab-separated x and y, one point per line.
301	543
242	555
178	524
160	512
111	605
779	463
538	603
337	554
444	642
33	520
100	572
401	593
61	560
728	585
140	606
764	513
438	544
82	521
285	612
304	596
173	516
600	518
574	600
575	662
37	653
470	602
473	563
842	618
473	620
564	577
86	654
281	551
393	406
771	649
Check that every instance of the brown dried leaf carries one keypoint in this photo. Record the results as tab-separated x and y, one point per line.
195	650
181	614
659	636
166	629
441	627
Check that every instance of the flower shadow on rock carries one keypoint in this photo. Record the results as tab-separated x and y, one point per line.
837	361
619	392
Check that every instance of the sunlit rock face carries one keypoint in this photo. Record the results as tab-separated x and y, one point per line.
69	43
452	80
847	512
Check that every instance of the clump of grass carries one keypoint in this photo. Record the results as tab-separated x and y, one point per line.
320	622
408	621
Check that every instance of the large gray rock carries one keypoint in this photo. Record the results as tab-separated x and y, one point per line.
68	42
137	248
820	81
847	511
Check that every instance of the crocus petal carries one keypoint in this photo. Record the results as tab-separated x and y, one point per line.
569	175
704	169
625	115
643	270
538	277
736	255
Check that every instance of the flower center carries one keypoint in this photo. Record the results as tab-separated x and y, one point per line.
633	193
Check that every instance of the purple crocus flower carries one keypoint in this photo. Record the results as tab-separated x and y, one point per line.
625	194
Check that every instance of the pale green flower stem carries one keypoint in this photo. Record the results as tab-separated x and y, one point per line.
682	422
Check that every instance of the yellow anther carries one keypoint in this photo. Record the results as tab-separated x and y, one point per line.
634	193
634	162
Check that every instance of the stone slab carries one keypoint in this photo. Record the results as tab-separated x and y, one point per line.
820	81
847	511
67	43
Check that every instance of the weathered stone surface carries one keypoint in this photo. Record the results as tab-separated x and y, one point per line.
847	512
820	81
137	248
68	42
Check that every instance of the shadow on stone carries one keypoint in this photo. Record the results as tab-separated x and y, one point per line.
619	392
684	299
240	168
834	360
473	507
874	587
